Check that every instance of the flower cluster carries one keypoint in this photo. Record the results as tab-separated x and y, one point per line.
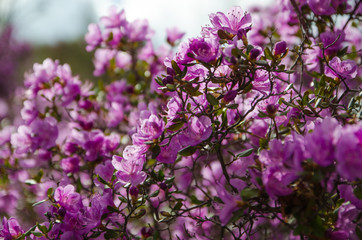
249	131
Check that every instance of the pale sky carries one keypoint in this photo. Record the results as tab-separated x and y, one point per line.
52	21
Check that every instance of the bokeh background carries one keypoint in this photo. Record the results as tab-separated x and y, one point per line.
56	28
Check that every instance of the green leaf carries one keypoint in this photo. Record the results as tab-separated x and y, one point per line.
358	192
245	153
37	234
170	180
100	179
155	151
195	200
263	143
175	67
42	228
40	202
112	209
178	205
249	193
177	126
232	106
268	54
262	63
50	192
187	151
212	100
111	234
358	232
155	193
171	87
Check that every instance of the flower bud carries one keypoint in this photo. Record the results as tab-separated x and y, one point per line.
271	109
230	95
163	186
280	48
167	80
254	53
133	191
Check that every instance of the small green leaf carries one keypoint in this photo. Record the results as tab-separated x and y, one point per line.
155	151
249	193
212	100
177	126
175	67
262	63
155	193
112	209
232	106
195	200
187	151
245	153
178	205
110	234
40	202
358	192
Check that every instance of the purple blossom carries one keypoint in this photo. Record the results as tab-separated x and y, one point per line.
332	41
70	164
234	21
341	69
115	19
173	35
139	30
280	48
148	130
349	151
168	153
230	95
319	143
67	198
321	7
197	131
203	50
93	37
10	229
129	171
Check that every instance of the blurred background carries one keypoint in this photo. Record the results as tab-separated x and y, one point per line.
32	30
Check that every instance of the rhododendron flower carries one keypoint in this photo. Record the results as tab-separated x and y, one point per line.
349	151
115	19
280	48
10	229
332	41
173	35
139	30
70	164
321	7
168	153
93	37
204	50
68	198
319	143
346	69
234	21
197	131
129	171
149	129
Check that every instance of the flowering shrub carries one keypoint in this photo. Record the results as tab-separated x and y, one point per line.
250	131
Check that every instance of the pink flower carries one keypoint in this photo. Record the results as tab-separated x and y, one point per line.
129	171
173	35
234	21
197	131
93	37
346	69
10	229
321	7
